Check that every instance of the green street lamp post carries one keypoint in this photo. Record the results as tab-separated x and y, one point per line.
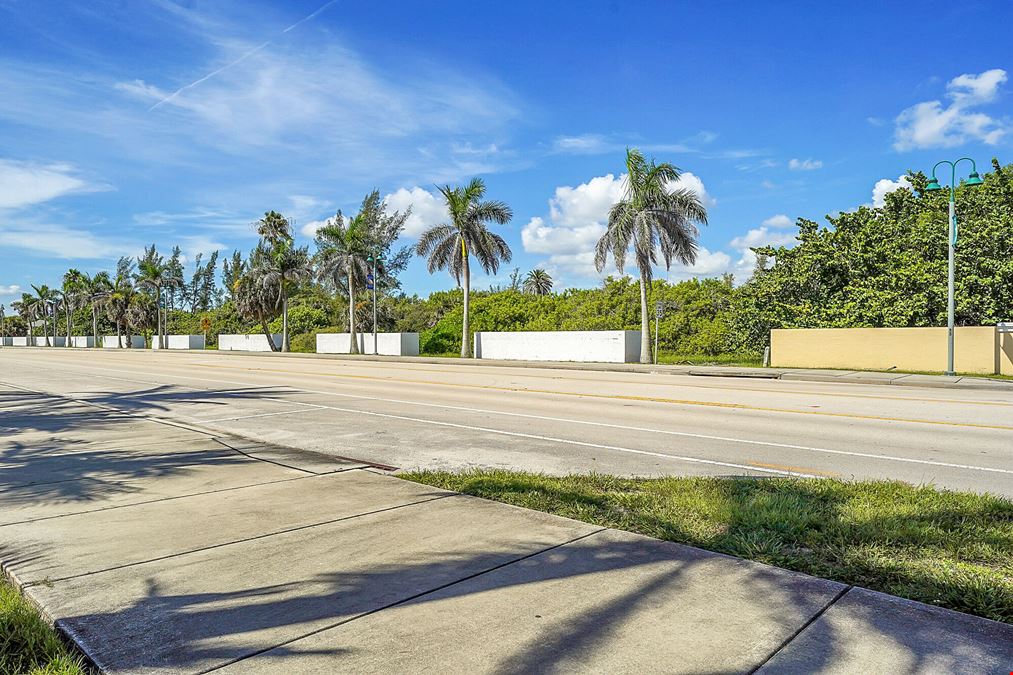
972	179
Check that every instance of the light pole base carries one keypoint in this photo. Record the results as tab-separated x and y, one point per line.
950	373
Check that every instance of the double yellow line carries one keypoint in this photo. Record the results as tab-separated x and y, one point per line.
619	397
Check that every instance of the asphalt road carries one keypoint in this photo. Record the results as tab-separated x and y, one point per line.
558	421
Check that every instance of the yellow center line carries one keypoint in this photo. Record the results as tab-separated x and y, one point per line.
498	370
617	397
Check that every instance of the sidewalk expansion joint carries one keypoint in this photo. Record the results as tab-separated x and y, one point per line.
46	581
811	621
403	600
152	501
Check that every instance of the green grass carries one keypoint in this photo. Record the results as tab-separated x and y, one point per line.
952	549
27	643
746	360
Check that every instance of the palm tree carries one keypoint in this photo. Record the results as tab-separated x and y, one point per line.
254	300
450	245
46	300
73	282
118	304
281	268
651	216
96	289
154	274
274	227
28	308
343	249
538	282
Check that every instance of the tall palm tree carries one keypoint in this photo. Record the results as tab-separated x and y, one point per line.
342	252
73	282
538	282
281	268
46	301
651	217
254	300
449	246
96	289
28	308
118	303
154	274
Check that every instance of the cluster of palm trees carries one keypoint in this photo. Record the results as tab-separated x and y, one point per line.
655	220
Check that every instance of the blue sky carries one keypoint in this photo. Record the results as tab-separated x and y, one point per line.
135	121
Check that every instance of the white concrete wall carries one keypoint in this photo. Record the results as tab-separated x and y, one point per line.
181	342
389	344
608	346
256	342
6	341
109	342
82	341
58	341
19	341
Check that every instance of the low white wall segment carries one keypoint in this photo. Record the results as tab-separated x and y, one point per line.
6	341
58	341
82	341
605	346
109	342
19	341
180	342
388	344
256	342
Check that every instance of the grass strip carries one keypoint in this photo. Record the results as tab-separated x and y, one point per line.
27	643
945	548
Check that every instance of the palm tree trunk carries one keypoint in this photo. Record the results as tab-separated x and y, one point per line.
284	317
466	325
130	335
94	323
267	331
158	308
67	308
119	335
354	346
645	323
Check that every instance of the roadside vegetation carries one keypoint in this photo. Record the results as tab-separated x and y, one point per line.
951	549
27	644
870	267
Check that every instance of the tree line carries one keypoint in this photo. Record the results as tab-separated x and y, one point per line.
873	266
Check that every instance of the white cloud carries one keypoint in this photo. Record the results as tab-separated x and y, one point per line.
428	209
576	221
310	228
930	124
24	183
708	264
885	186
584	144
12	289
779	220
805	164
755	237
58	241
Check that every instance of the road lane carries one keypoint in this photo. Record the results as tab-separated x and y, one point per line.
420	415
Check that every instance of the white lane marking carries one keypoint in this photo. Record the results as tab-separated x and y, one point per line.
850	453
270	414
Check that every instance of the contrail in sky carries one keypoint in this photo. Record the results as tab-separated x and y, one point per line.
242	58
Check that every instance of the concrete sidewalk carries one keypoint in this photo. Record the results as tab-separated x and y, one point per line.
161	547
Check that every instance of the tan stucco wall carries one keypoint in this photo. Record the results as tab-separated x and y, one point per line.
1005	353
977	349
